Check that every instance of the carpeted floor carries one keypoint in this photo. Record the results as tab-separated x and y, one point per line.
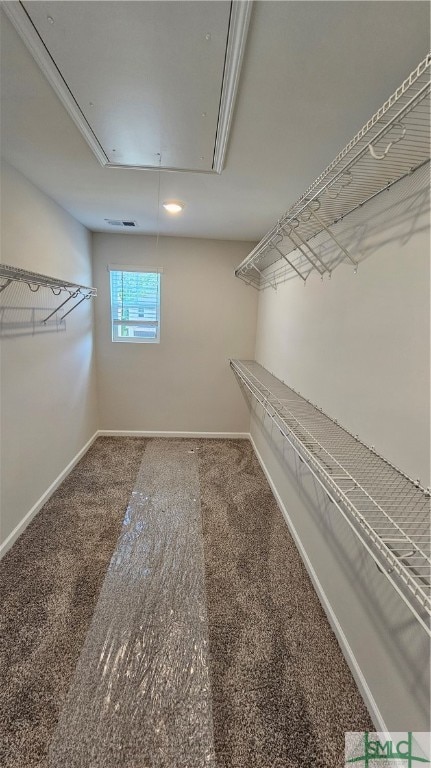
50	581
282	694
141	695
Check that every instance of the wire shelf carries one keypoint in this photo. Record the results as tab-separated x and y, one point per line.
391	145
387	510
34	280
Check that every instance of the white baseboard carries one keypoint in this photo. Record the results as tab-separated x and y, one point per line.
344	644
22	525
348	654
156	433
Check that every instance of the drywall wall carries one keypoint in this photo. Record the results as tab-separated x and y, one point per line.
387	650
207	316
48	392
358	346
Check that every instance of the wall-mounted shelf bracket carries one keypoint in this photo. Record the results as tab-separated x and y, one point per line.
391	145
5	285
35	281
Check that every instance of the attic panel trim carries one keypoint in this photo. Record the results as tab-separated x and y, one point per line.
237	36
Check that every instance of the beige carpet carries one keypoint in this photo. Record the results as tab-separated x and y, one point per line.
282	694
50	581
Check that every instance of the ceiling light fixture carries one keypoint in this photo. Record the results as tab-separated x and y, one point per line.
173	206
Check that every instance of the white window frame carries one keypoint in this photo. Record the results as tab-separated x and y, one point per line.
116	323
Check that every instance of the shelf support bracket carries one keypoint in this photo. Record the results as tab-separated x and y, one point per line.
74	307
244	279
331	234
301	249
283	256
72	296
5	285
262	277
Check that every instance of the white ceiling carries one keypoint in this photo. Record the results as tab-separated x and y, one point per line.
146	77
313	73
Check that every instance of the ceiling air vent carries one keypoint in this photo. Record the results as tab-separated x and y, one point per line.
120	223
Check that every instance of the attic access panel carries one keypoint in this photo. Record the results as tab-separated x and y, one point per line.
144	81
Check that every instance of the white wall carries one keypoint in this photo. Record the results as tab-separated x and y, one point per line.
389	650
358	346
48	388
207	316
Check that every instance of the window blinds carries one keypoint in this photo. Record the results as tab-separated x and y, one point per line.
135	304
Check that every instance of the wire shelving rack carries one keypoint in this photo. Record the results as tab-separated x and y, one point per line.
34	280
388	511
391	145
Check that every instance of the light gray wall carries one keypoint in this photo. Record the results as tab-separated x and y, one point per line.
207	316
358	346
389	647
48	392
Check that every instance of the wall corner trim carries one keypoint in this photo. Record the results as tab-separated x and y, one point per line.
348	654
22	525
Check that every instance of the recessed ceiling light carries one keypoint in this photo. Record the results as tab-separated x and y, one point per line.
173	206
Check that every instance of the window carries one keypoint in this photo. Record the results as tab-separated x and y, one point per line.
135	304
